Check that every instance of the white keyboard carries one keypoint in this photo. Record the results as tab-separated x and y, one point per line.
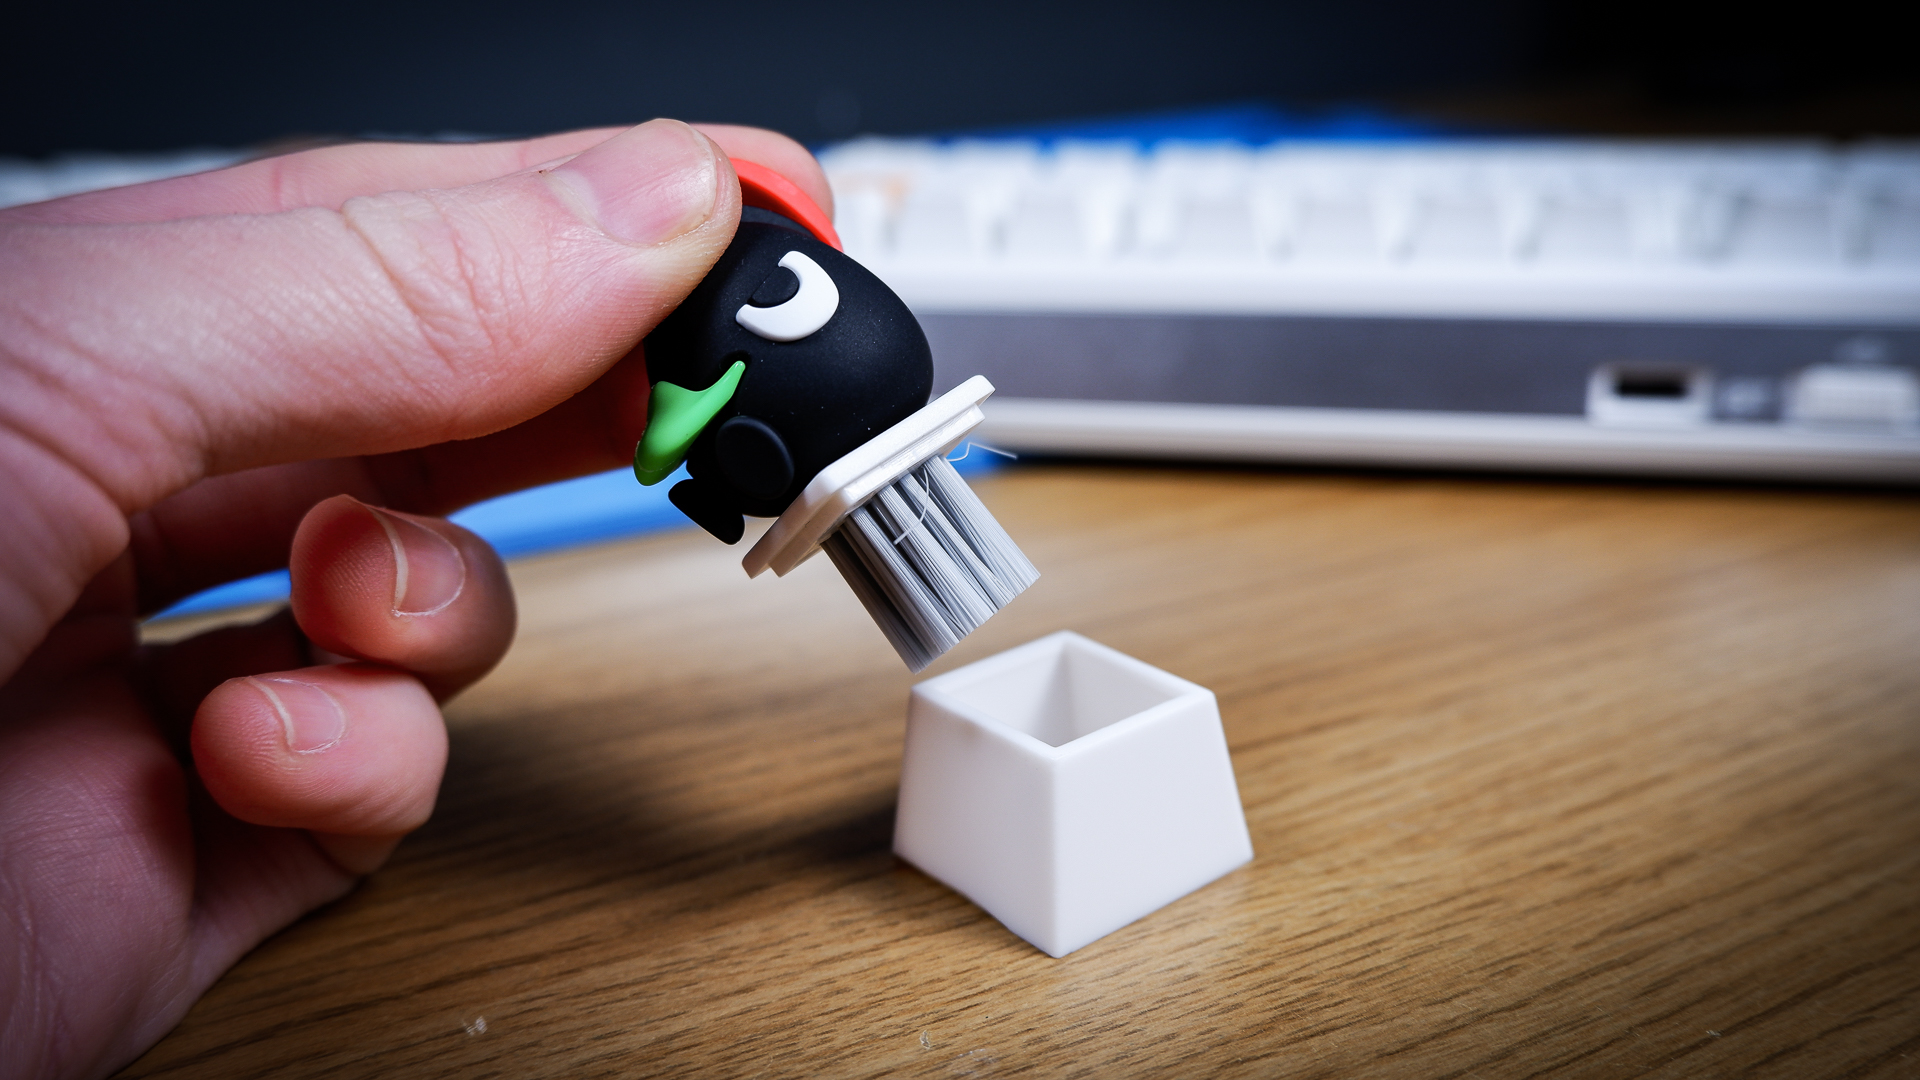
1708	308
1726	308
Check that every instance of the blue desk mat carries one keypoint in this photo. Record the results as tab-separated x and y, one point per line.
591	509
611	505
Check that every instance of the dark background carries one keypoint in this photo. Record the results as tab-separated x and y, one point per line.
125	76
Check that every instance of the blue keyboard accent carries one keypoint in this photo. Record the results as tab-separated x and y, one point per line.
1250	123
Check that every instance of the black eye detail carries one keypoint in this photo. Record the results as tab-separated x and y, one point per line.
780	287
814	300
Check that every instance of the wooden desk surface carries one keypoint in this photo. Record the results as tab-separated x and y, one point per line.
1543	779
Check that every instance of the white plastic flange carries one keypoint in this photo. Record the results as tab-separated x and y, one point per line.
1068	789
841	487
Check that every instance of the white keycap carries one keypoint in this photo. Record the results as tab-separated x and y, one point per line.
1457	228
1585	229
1782	228
1335	230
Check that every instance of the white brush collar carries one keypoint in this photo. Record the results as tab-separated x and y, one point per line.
842	486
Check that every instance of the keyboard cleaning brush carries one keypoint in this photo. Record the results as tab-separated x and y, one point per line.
793	383
914	542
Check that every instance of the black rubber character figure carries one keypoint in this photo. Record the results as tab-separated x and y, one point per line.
785	358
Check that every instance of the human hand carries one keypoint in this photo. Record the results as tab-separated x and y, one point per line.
208	377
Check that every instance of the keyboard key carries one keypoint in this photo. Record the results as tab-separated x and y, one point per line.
1458	228
1335	230
1783	230
1585	230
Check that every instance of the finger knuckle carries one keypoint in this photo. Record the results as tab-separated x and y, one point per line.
465	281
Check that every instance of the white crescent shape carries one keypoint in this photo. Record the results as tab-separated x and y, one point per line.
808	310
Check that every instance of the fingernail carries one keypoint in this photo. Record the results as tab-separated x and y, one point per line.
312	720
646	185
428	571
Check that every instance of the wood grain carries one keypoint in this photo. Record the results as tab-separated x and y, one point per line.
1568	779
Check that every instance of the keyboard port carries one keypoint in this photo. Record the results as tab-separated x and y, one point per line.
1649	395
1855	395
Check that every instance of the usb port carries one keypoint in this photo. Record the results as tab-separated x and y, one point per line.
1649	395
1650	384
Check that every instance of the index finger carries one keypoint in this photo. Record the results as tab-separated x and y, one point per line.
233	526
330	175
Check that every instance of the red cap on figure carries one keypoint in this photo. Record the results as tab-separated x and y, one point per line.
768	190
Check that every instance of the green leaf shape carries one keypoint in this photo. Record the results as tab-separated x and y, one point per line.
675	417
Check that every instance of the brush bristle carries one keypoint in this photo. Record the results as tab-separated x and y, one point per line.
928	561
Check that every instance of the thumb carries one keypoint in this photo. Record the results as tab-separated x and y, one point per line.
149	356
